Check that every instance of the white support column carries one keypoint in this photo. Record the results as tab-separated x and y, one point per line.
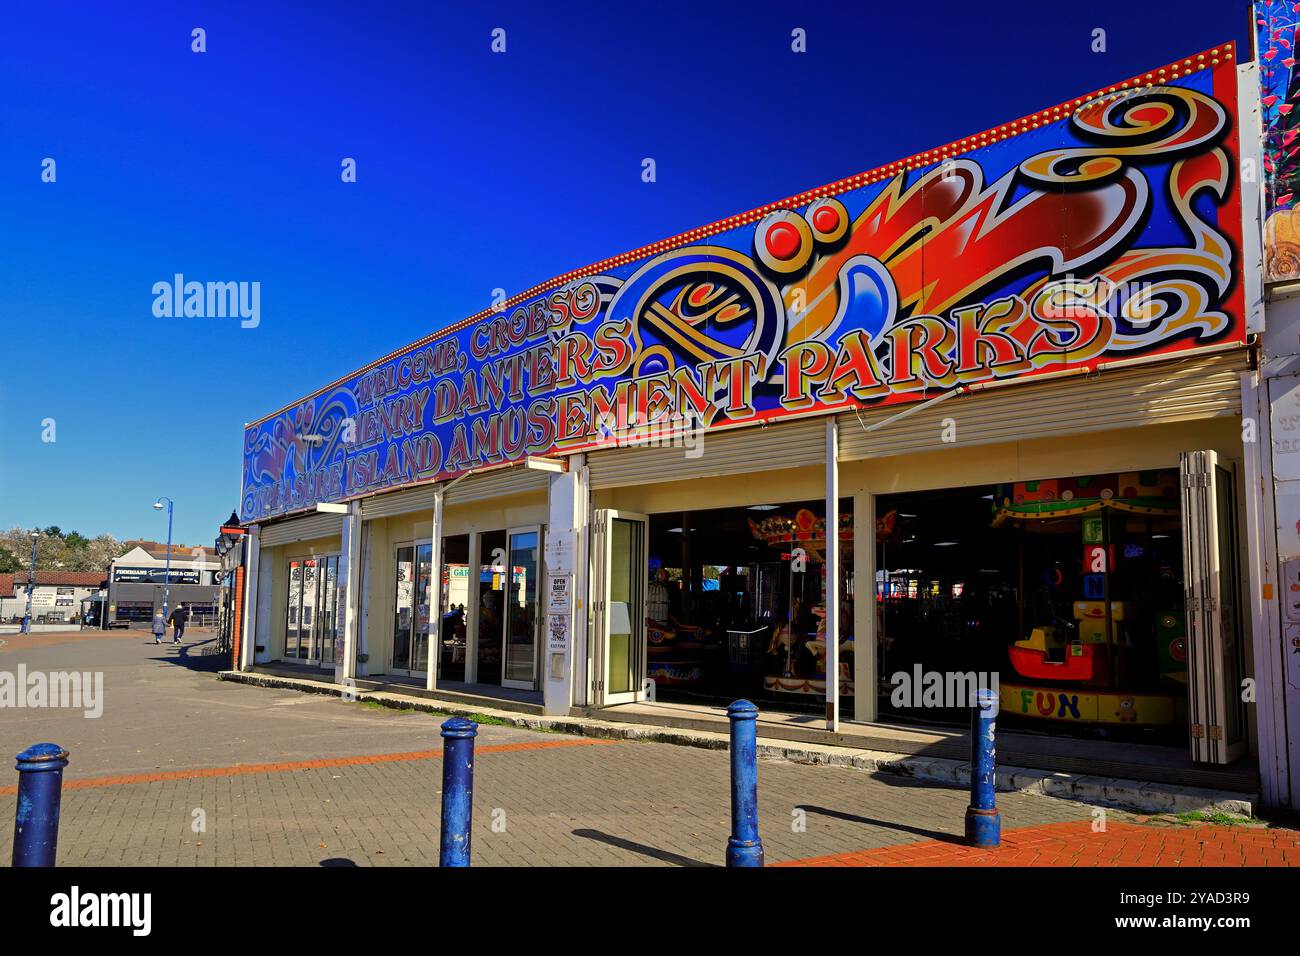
364	571
1276	668
435	595
252	587
832	575
580	656
1271	734
864	607
265	602
349	593
562	612
471	612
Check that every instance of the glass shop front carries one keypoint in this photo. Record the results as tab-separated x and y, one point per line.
486	630
1070	590
736	604
1067	595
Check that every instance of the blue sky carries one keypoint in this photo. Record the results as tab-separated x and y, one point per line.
475	171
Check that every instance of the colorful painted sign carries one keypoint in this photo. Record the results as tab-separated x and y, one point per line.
1104	229
1090	707
1276	23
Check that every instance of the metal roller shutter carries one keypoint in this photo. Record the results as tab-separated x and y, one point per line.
399	502
1203	387
492	484
735	452
301	529
498	484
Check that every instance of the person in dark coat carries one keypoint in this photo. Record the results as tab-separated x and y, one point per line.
178	619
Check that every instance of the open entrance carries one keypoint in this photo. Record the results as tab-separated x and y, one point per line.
1075	594
710	606
509	582
452	628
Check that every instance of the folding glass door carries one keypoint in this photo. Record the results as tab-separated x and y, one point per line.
620	559
311	621
1215	659
520	655
411	608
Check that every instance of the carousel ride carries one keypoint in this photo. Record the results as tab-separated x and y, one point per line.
796	653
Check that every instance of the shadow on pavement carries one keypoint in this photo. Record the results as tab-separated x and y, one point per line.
338	861
884	824
674	858
188	656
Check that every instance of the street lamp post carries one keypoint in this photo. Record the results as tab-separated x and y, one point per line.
31	586
167	573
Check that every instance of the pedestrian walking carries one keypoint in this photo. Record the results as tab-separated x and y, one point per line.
159	627
179	617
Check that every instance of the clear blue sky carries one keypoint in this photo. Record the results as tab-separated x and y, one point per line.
475	171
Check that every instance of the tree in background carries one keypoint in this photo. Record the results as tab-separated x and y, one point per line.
57	550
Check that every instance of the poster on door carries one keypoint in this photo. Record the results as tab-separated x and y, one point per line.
560	600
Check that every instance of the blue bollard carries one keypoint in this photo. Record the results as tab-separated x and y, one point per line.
40	786
744	848
457	790
983	822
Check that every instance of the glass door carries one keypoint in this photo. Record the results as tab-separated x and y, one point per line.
293	630
1212	582
491	605
524	558
412	597
423	607
328	603
312	609
620	559
307	621
403	604
452	611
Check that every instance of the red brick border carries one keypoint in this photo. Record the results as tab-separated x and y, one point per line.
1075	844
321	764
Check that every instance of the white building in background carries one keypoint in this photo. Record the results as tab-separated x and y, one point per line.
56	596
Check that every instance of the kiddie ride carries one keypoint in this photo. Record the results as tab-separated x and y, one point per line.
1088	663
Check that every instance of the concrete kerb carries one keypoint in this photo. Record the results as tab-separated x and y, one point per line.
1134	795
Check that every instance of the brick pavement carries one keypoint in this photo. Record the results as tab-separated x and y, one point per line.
281	778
